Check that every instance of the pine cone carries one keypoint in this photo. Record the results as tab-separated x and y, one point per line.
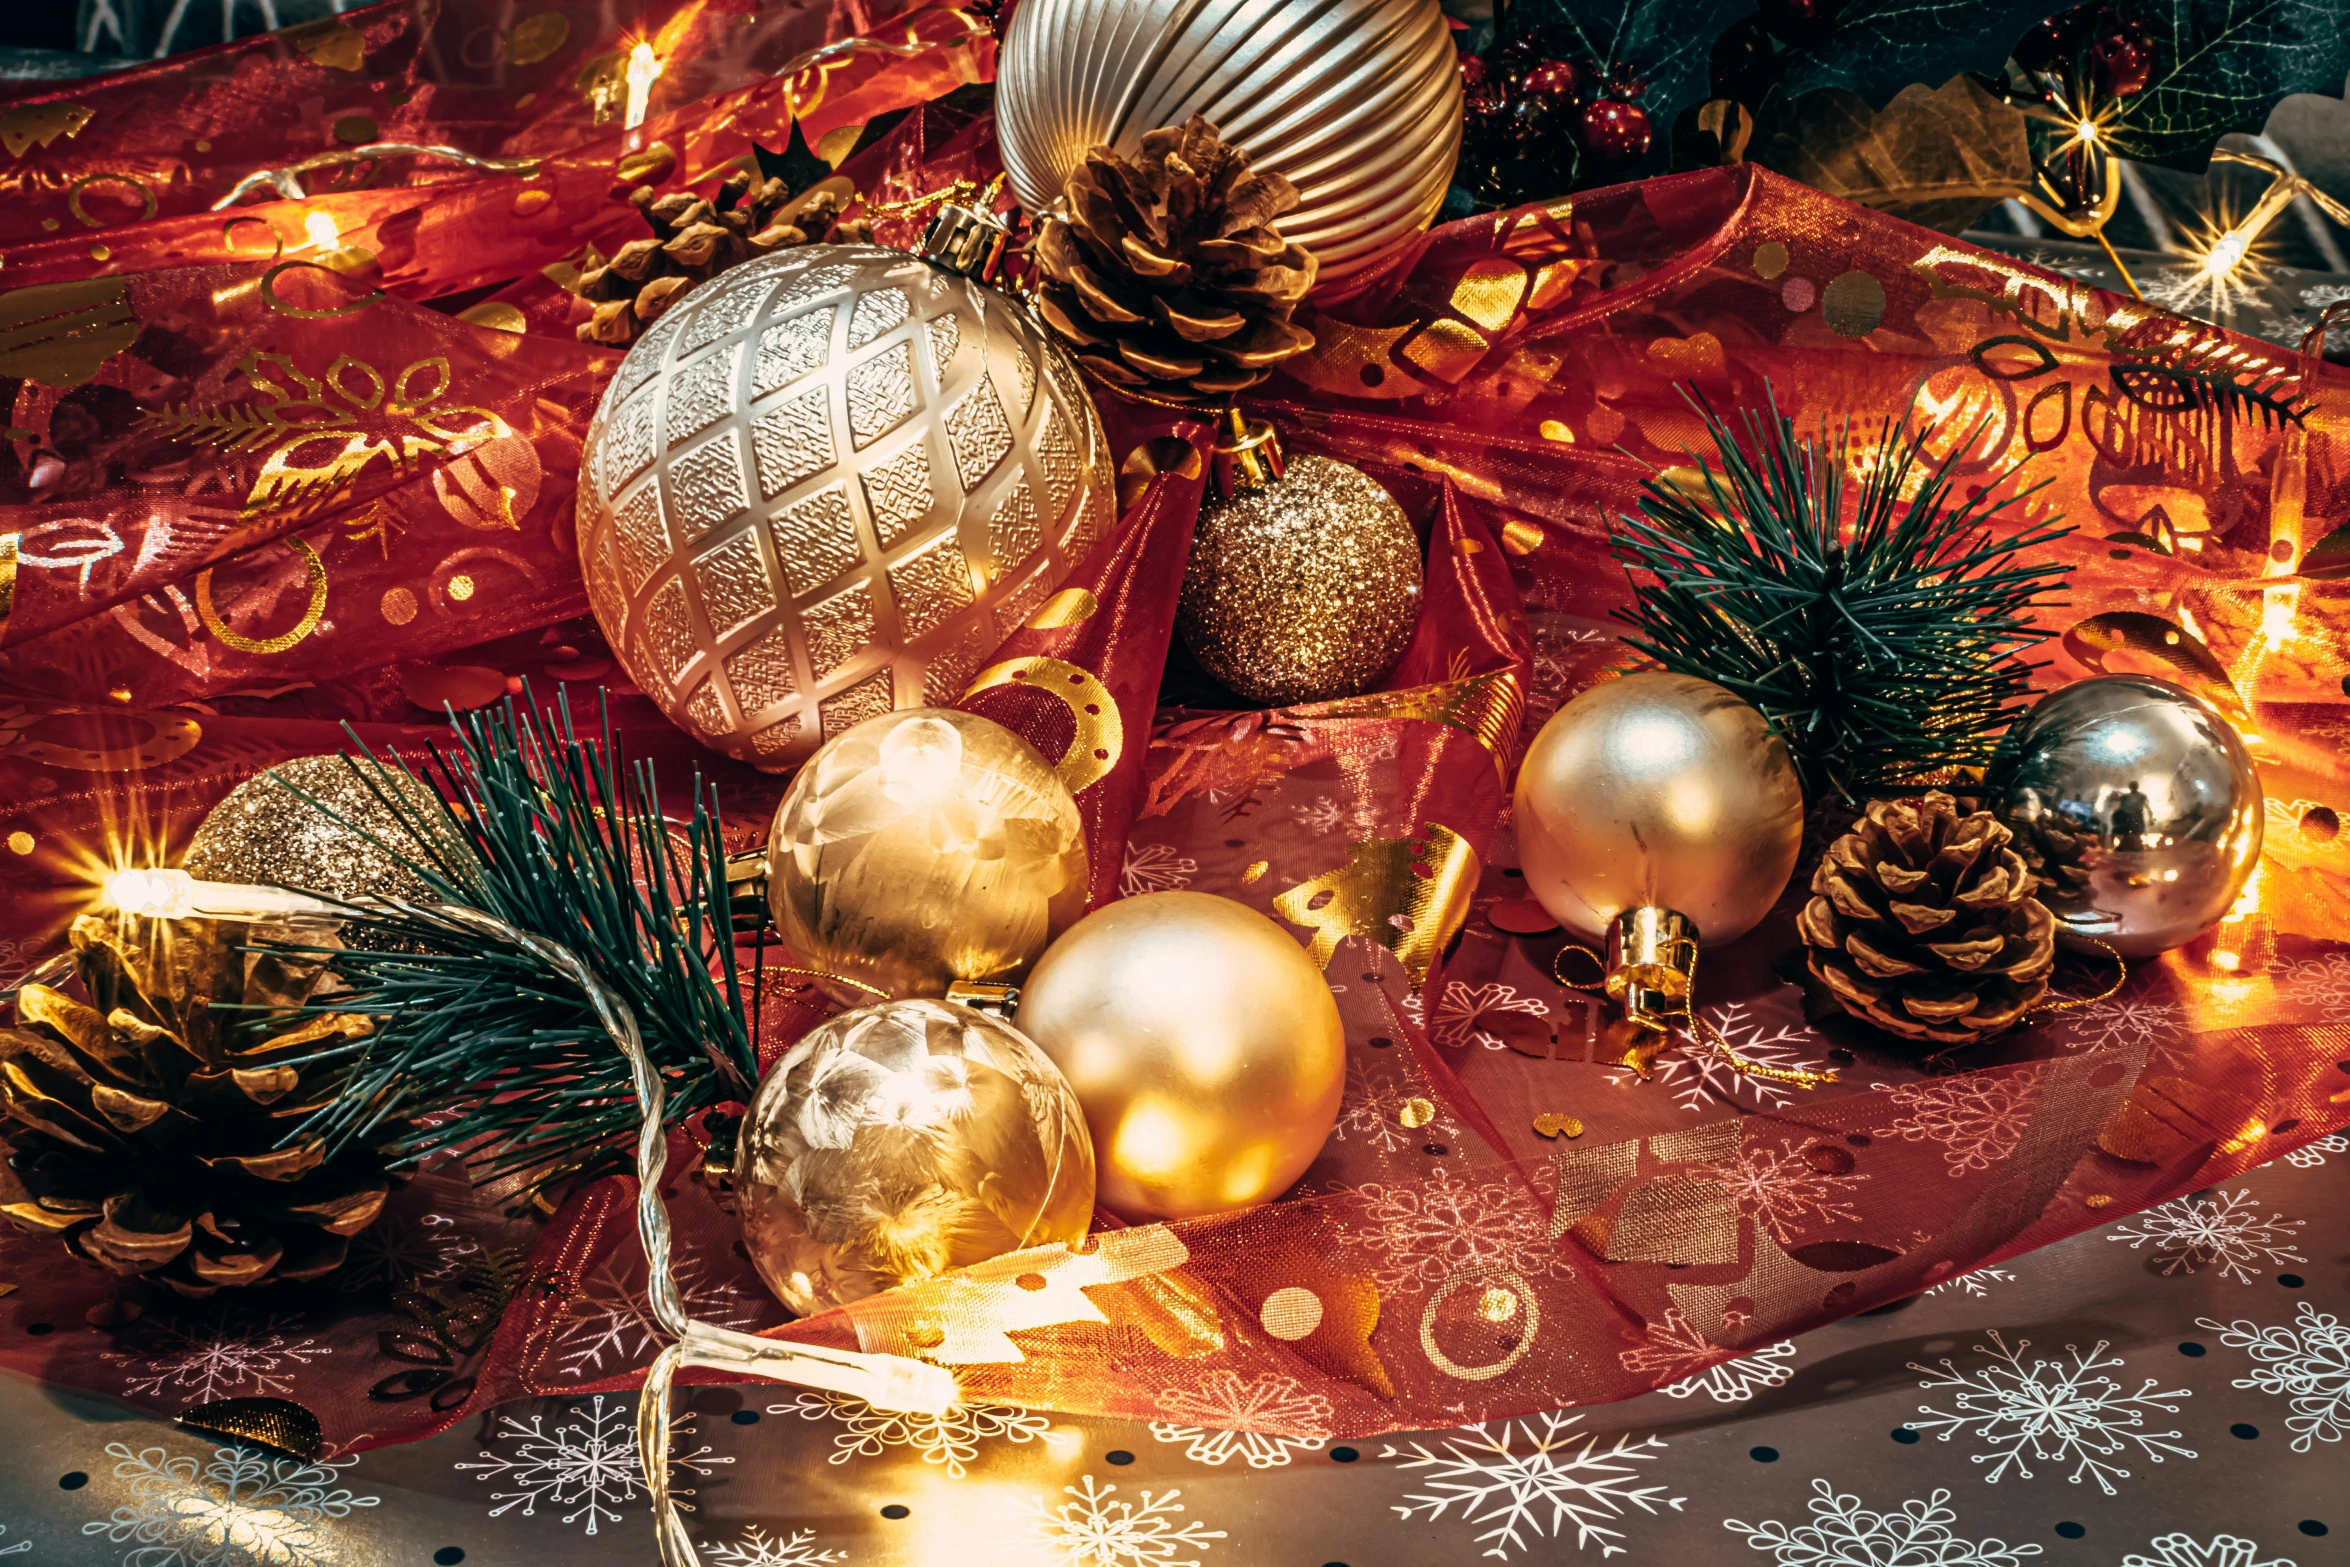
1167	275
1924	923
146	1129
693	241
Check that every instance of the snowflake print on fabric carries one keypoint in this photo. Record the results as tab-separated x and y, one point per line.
2313	1153
1560	1476
2049	1411
1227	1400
1978	1283
1419	1233
1373	1112
2116	1023
952	1439
226	1357
2323	983
239	1508
1098	1530
18	1549
1842	1533
1675	1348
1464	1013
2184	1550
1976	1119
608	1326
1154	867
1702	1079
2307	1363
1323	816
2191	1233
586	1463
400	1251
758	1548
1785	1192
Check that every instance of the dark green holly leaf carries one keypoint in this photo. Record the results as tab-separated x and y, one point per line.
797	165
1665	44
1877	47
2221	65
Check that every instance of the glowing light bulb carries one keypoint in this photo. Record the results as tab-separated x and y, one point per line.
2085	132
320	227
158	894
644	69
2226	254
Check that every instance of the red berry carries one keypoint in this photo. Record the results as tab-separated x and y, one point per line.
1553	82
1615	129
1485	93
2125	65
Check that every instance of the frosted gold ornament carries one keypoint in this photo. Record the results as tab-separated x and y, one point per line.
1304	579
1204	1045
825	486
263	832
901	1141
922	848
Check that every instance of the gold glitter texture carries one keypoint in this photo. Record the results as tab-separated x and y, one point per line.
264	832
1304	590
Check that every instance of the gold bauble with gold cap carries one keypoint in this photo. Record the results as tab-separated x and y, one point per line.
1204	1045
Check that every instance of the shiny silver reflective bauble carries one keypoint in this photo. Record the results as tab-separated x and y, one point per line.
1358	102
2137	805
901	1141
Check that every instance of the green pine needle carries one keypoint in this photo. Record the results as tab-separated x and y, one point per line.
1883	648
480	1048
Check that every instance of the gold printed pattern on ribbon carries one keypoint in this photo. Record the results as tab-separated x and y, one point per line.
33	125
1525	1320
10	543
311	616
967	1318
168	738
1488	707
1101	729
1409	895
60	333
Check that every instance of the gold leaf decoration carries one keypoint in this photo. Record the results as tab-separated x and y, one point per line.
1936	156
329	41
60	333
30	125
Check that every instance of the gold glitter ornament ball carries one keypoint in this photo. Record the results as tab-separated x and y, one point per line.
901	1141
265	833
1303	589
1204	1045
825	486
924	847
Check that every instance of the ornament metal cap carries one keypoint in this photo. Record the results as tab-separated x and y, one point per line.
997	1001
966	240
1248	454
1652	966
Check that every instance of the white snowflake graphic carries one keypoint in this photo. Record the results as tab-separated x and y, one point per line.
1324	815
1226	1400
1560	1472
611	1316
2307	1362
1675	1348
2184	1550
1700	1079
1154	867
1463	1010
587	1463
1373	1112
2049	1411
2323	983
951	1439
1788	1191
18	1549
758	1548
1843	1533
2189	1233
1977	1283
225	1357
1976	1118
2116	1022
2313	1153
238	1508
399	1251
1421	1232
1096	1530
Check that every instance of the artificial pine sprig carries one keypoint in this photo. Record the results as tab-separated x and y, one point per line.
1884	646
490	1052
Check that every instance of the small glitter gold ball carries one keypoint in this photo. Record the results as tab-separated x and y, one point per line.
265	833
1305	589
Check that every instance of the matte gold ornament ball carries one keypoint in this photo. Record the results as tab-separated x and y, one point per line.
263	832
1204	1045
900	1141
1303	589
924	847
1658	791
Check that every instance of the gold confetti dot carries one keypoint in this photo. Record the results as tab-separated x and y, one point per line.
20	842
204	146
49	225
461	587
101	253
1497	1304
355	128
2100	1200
529	203
1552	430
1770	259
398	606
1291	1313
1551	1124
1255	872
1520	537
1415	1113
1854	304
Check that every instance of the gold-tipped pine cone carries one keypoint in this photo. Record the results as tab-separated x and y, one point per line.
1922	921
147	1128
1166	275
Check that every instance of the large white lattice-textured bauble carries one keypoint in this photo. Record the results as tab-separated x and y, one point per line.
826	485
1358	102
